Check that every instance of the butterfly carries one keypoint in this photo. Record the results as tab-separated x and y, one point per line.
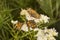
33	13
18	25
31	24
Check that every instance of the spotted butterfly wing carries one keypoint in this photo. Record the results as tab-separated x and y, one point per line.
31	23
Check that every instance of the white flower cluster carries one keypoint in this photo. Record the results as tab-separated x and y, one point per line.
43	18
43	34
24	27
46	34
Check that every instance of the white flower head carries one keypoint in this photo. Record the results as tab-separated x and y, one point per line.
42	19
53	32
46	34
35	29
45	18
23	12
14	22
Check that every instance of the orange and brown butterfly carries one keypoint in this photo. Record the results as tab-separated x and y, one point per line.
31	24
18	25
33	13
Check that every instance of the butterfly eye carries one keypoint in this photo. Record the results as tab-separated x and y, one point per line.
33	13
31	23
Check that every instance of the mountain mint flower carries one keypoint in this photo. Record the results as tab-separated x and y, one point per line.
46	34
43	19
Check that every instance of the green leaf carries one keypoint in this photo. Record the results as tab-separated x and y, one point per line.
46	6
57	8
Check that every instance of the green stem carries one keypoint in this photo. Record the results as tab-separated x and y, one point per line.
26	34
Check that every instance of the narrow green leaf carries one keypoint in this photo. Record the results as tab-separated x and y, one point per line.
46	6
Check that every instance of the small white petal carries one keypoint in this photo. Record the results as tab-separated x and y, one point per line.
23	12
31	28
14	22
28	17
36	29
24	27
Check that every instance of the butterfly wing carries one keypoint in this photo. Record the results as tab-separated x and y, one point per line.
33	13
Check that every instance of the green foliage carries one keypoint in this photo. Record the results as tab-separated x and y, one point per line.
10	9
